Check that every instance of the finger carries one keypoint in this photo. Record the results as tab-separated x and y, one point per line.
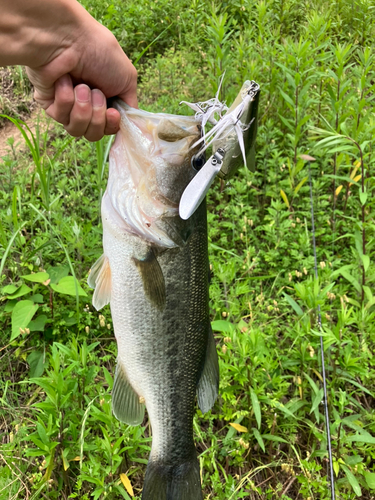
112	121
131	99
44	92
130	94
81	113
95	130
63	102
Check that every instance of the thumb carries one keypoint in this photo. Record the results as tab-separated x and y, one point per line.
129	94
130	98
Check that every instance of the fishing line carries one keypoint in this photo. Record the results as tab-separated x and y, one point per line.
325	401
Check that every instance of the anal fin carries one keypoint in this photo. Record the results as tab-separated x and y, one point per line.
100	278
126	405
208	385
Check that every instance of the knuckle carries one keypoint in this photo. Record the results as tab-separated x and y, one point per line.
134	73
67	99
98	120
59	118
93	137
76	129
73	133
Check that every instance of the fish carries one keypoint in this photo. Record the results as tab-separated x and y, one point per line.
154	273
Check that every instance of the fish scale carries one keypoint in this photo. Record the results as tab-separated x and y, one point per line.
154	274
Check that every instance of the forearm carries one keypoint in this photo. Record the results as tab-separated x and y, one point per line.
34	32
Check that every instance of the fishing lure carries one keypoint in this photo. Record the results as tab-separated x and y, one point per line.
232	138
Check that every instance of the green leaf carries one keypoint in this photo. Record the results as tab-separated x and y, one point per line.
370	479
9	289
38	324
354	459
283	408
36	363
341	149
42	433
256	407
66	286
368	293
70	321
287	123
361	438
288	99
10	305
21	316
363	197
58	272
22	290
39	443
108	378
37	277
317	400
336	467
314	387
345	274
294	304
352	480
365	261
271	437
37	298
300	184
259	438
222	326
354	382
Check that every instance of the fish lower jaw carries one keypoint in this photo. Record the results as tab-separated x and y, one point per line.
135	223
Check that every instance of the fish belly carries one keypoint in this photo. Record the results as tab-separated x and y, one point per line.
162	349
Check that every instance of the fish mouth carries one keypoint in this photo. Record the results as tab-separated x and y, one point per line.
167	127
150	166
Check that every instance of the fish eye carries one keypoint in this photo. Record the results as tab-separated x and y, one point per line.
198	161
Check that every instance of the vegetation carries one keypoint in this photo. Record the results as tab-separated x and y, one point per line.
265	437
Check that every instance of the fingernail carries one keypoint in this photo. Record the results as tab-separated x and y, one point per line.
97	98
82	93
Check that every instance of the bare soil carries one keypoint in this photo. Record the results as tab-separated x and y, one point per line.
16	101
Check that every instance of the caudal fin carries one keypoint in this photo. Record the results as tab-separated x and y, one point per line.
172	482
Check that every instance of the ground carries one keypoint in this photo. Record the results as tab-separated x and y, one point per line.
15	103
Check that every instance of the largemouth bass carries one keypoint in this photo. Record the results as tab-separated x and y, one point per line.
154	273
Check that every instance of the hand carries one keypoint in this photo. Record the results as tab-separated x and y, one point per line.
73	61
95	58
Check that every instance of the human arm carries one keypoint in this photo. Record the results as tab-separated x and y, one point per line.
68	53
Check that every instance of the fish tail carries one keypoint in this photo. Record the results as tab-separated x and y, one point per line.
172	482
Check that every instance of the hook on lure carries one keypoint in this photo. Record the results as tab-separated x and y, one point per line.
232	138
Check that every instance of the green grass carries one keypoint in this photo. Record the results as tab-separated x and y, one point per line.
315	64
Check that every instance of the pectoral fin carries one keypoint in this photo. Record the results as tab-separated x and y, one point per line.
100	278
152	278
126	404
208	385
